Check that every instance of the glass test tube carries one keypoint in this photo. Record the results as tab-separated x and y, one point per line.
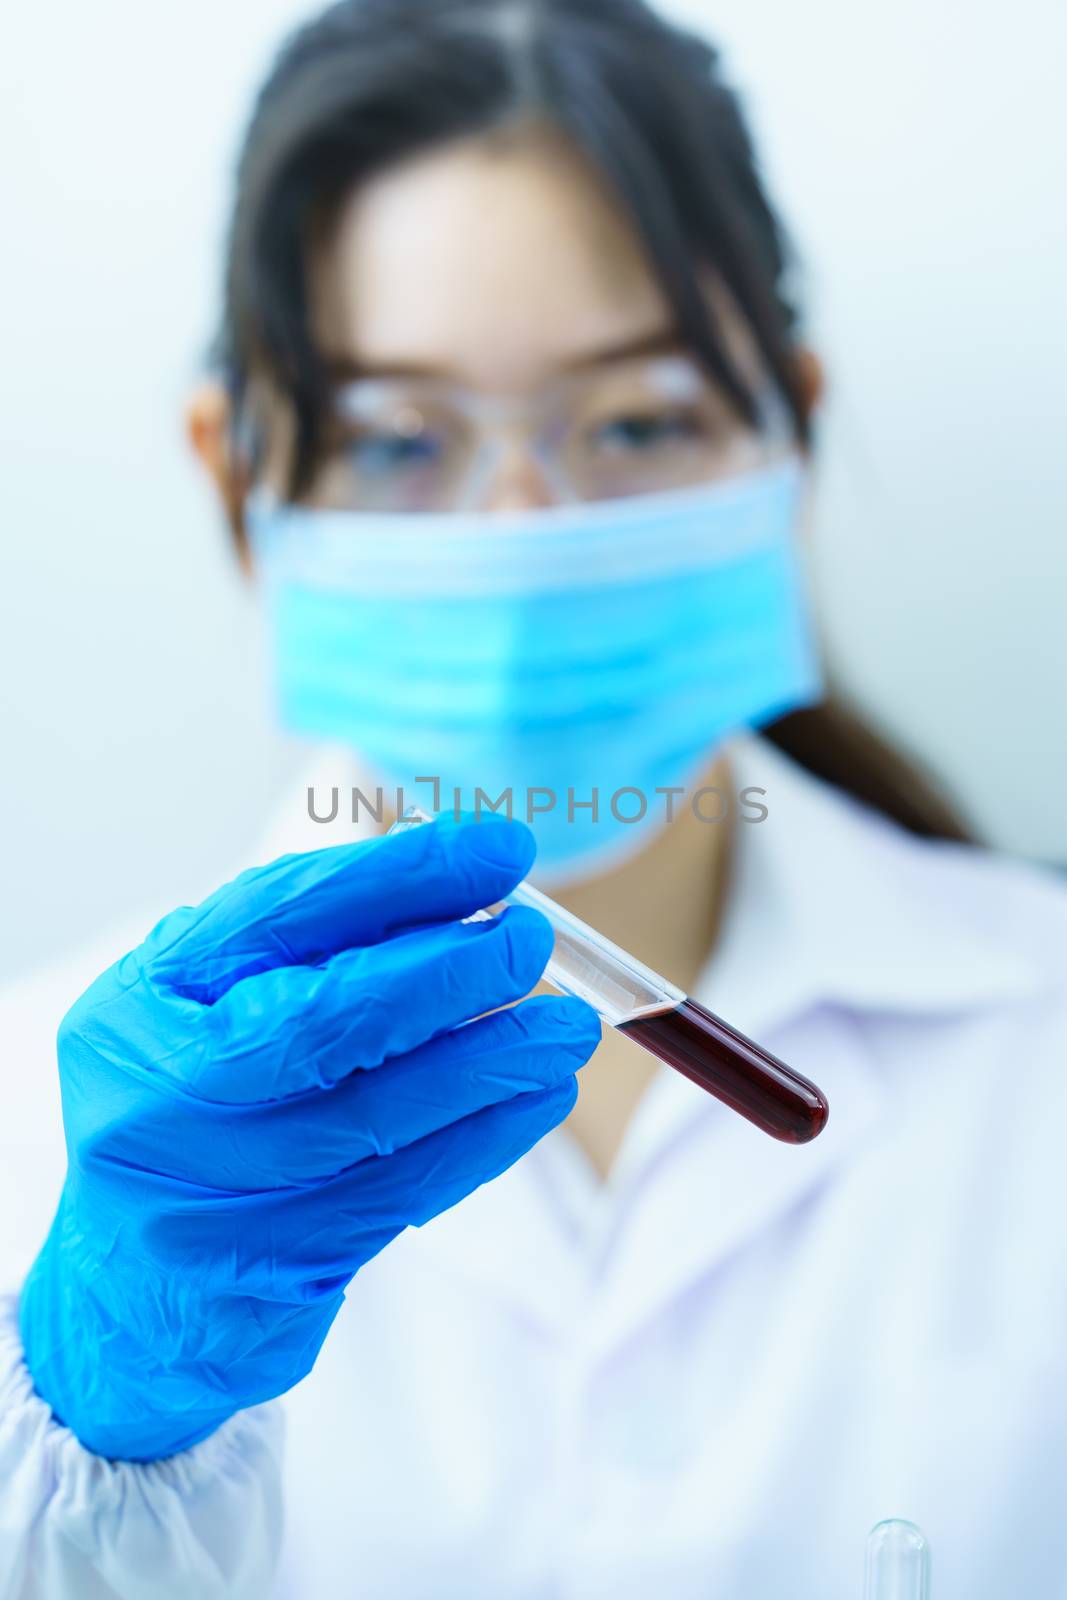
898	1563
658	1015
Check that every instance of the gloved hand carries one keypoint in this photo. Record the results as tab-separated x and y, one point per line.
264	1094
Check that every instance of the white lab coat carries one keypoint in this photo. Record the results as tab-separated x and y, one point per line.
703	1381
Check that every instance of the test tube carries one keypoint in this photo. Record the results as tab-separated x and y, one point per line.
898	1562
663	1019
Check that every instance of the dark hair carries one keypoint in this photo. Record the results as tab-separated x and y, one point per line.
368	81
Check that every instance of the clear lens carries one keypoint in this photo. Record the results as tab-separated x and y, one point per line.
649	426
388	448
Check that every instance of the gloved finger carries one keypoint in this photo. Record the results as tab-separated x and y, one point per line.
535	1045
279	1033
301	909
304	1245
372	1202
315	1136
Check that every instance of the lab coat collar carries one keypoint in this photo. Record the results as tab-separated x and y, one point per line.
716	1182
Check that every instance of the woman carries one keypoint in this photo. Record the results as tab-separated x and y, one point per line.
496	259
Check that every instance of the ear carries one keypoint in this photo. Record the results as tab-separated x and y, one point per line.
207	428
811	377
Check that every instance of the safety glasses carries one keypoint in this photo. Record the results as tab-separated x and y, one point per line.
631	427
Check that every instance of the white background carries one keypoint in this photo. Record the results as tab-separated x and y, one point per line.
917	150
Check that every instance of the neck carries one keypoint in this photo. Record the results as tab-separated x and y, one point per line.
664	906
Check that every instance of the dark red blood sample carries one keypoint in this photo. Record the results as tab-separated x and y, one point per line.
741	1074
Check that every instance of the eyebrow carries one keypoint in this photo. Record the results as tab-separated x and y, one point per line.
657	341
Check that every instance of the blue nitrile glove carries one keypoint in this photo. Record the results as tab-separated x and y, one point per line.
263	1095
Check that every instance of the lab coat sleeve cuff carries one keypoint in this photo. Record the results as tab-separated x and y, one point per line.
205	1522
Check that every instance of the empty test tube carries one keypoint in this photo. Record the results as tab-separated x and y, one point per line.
898	1563
662	1018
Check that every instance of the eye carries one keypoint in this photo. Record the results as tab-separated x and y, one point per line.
640	432
380	454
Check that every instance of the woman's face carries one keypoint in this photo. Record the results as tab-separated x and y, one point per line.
498	263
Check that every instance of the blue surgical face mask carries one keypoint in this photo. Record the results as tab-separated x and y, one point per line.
566	651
